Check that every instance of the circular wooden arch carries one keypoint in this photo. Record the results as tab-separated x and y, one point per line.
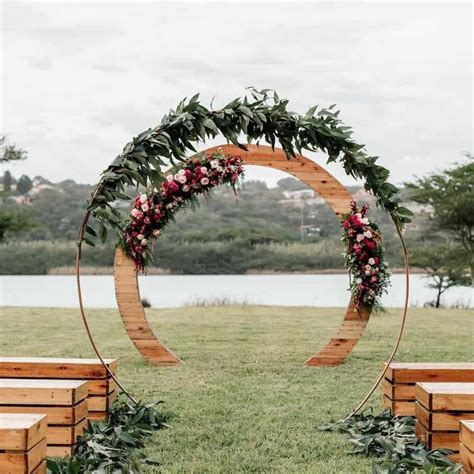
126	279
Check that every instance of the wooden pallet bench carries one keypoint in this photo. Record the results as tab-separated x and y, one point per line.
64	400
466	445
102	388
398	386
22	443
439	409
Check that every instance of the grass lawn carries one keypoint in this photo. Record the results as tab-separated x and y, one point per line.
244	402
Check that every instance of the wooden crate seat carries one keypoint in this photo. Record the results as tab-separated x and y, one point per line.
398	386
22	443
102	389
439	408
64	400
466	445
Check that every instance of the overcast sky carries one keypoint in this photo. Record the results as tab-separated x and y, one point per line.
79	80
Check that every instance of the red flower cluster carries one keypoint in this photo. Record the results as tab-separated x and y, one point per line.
364	258
151	212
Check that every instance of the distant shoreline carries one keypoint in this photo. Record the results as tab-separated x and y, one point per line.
92	270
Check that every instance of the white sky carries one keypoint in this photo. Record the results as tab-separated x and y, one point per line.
80	79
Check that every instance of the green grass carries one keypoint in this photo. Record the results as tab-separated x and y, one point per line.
243	401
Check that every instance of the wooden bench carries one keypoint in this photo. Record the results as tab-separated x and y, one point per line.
58	398
398	386
102	388
439	409
466	445
22	444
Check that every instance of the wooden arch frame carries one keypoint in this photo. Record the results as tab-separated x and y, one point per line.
126	280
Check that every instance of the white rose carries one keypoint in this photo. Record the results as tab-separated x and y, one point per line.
214	164
360	237
156	233
220	169
371	261
204	170
368	234
367	272
170	178
143	243
368	267
365	221
140	236
181	172
143	198
359	281
182	179
145	207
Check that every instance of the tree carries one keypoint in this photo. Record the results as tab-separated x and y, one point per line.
7	181
24	184
444	267
10	152
451	196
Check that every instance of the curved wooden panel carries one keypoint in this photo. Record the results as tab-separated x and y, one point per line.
133	315
302	168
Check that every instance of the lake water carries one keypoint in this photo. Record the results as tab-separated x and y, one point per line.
180	290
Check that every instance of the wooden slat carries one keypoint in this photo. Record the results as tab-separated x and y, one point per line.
398	391
466	458
412	372
65	415
466	433
42	392
60	451
441	421
437	439
399	408
99	403
63	435
101	386
97	415
40	469
17	462
447	396
54	368
21	431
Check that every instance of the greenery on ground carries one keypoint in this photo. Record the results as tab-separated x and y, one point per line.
111	446
393	443
244	401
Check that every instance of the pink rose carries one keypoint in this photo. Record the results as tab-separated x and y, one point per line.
204	181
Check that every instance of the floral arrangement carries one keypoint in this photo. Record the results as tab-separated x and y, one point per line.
364	258
152	211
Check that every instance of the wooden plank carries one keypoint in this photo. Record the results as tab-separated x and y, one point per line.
441	421
466	458
21	431
466	433
42	392
437	439
398	391
101	386
63	415
40	469
60	451
446	396
50	367
399	408
98	415
99	403
412	372
63	435
18	462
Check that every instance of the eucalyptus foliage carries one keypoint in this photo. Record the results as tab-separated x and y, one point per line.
111	446
260	117
393	442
